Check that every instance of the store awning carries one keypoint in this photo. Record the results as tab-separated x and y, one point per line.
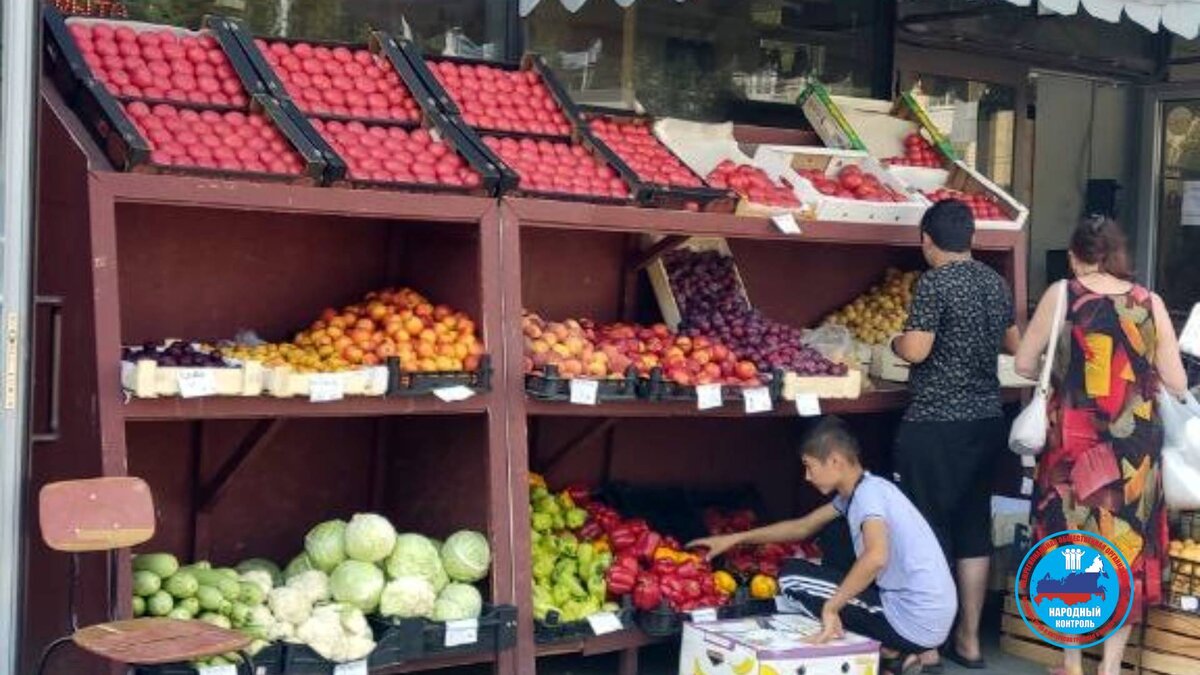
1181	17
572	5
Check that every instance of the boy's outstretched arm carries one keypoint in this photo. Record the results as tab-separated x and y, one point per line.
782	532
864	572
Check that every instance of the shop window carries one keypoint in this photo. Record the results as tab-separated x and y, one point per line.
708	59
1178	237
978	117
473	28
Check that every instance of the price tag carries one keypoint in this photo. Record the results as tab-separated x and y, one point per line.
456	393
758	400
226	669
325	387
706	615
196	382
583	392
352	668
604	623
786	223
808	405
1028	461
708	396
462	632
1026	486
1189	603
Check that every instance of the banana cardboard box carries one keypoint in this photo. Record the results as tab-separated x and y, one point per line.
772	645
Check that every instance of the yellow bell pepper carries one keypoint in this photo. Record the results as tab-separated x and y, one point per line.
724	582
601	545
536	480
763	587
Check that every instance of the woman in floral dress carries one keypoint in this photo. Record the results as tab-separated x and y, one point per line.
1100	471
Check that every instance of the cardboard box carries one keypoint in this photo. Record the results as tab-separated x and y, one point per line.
661	282
772	645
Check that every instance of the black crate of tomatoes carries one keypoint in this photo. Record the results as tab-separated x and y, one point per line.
663	180
568	169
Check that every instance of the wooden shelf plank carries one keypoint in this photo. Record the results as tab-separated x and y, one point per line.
536	213
437	663
603	644
258	407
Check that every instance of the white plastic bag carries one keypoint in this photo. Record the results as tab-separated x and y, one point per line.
1029	430
1181	450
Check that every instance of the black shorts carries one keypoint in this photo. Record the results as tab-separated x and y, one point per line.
946	469
808	585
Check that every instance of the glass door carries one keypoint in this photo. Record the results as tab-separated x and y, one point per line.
1175	226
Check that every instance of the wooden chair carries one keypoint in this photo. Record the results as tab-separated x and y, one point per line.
108	514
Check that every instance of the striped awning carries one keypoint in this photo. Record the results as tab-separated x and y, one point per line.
1181	17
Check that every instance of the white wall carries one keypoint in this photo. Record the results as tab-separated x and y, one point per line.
1071	145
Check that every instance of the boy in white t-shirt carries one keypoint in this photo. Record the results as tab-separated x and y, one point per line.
899	590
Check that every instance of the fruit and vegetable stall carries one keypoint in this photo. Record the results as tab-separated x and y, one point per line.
428	366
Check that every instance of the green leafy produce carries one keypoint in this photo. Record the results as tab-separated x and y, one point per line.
370	538
298	565
238	614
182	585
146	583
458	601
261	565
259	578
408	597
251	594
358	584
160	604
466	556
325	545
414	555
139	606
162	564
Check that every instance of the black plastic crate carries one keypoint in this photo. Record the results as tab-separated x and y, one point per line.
662	621
300	659
660	195
550	386
269	661
551	630
657	388
129	150
407	640
70	71
402	383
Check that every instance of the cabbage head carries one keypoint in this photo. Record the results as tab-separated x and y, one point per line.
408	597
456	602
369	538
414	555
357	584
325	545
263	565
299	565
466	556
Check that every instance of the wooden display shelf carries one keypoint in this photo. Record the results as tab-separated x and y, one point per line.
602	644
141	410
437	663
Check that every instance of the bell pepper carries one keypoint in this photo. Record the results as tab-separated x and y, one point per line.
763	587
672	589
664	567
579	493
664	553
671	543
769	568
623	538
590	531
646	594
585	553
575	517
647	544
620	580
597	589
536	480
602	545
691	589
708	586
688	570
628	561
724	582
541	522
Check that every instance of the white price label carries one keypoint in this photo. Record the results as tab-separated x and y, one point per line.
808	405
708	396
352	668
1189	603
1026	486
462	632
706	615
758	400
325	387
786	223
583	392
226	669
196	382
454	394
604	623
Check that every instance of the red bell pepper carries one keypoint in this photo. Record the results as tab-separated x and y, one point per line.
708	586
580	494
691	589
688	570
646	594
591	530
623	537
769	568
621	580
671	543
664	567
627	561
672	588
647	544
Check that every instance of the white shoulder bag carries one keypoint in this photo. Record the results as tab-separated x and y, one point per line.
1029	430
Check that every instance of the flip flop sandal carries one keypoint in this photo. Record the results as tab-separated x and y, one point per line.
933	669
951	652
896	665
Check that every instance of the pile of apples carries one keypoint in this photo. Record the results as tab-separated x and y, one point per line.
635	143
852	182
881	311
393	322
983	206
228	141
502	100
917	152
161	64
341	81
558	166
393	154
580	348
752	183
